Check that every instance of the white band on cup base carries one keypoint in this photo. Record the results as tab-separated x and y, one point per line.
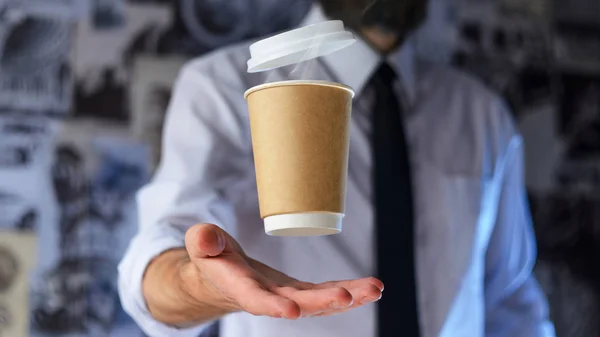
304	224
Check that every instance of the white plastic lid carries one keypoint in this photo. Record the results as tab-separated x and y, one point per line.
304	224
299	45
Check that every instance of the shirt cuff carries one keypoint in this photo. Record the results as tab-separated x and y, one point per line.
146	246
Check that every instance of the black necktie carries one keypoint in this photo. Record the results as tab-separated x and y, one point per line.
397	309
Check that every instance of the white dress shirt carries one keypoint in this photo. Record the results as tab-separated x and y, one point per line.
475	247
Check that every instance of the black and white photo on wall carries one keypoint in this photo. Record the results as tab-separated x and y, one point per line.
107	14
102	76
35	71
579	113
98	201
199	26
96	215
105	98
579	174
152	81
71	189
157	101
577	47
567	225
9	269
579	124
23	139
65	306
585	12
9	266
192	28
17	258
17	213
512	55
72	193
532	9
57	9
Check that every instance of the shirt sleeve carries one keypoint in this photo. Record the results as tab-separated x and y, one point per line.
515	304
203	142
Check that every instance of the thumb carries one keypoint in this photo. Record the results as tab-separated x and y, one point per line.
204	240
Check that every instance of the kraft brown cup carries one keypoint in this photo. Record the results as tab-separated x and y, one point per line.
300	138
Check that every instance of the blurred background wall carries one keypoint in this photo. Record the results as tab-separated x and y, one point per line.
83	89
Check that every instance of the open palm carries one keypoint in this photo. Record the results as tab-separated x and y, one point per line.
249	285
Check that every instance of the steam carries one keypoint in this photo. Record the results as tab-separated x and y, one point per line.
306	67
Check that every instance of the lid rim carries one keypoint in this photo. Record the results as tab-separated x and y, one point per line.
298	45
326	27
254	63
341	36
299	82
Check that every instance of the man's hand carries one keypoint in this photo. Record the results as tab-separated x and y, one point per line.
215	277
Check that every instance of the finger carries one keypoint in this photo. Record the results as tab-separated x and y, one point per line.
204	240
255	299
362	295
312	302
350	284
365	294
285	280
278	277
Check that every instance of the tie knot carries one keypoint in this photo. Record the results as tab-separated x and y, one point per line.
385	74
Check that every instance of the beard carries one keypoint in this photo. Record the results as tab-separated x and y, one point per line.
399	17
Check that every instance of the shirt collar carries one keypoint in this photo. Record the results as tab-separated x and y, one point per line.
355	64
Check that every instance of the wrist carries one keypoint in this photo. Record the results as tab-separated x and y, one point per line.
174	292
195	293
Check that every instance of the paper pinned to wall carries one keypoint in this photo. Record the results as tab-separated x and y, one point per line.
18	256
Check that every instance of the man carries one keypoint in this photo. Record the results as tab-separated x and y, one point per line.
443	221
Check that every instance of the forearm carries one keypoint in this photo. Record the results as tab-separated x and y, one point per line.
167	286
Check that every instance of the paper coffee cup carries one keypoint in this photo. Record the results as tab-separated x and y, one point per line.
300	138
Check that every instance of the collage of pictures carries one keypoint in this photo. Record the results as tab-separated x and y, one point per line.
84	86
